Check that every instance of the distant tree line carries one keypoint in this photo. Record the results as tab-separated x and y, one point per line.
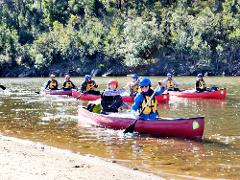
180	36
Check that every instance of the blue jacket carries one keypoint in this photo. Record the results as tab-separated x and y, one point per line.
138	102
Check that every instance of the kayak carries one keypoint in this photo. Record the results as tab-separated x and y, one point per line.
85	97
191	128
163	98
58	92
219	94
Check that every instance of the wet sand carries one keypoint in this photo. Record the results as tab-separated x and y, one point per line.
22	159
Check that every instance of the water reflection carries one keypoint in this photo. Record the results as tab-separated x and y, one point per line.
53	120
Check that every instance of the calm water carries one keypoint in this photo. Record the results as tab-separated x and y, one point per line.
53	120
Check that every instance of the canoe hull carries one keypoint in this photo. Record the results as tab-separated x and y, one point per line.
58	92
85	97
220	94
191	128
164	98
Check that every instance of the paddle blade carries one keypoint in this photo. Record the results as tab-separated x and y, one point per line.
3	87
130	128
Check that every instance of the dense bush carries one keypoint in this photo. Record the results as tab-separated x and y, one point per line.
181	36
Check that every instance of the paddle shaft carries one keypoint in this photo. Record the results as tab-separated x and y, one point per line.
132	126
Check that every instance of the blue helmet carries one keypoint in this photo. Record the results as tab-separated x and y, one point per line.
200	75
169	75
134	76
88	77
145	82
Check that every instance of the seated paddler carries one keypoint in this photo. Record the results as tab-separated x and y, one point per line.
134	85
111	98
200	83
68	84
52	83
145	103
89	86
170	84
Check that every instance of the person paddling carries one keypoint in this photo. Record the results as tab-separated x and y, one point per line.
68	84
148	112
200	83
170	84
134	85
111	98
88	86
52	83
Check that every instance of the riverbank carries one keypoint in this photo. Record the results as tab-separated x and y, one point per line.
22	159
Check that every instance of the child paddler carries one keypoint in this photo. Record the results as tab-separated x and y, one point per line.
200	83
134	85
88	86
68	84
111	98
52	83
170	84
150	111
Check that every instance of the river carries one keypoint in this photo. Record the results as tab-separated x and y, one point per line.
53	120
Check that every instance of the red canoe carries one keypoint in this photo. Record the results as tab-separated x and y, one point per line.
85	97
58	92
191	128
220	94
164	98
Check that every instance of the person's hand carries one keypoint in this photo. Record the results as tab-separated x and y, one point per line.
136	115
120	110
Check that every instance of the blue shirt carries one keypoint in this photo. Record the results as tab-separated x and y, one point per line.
138	102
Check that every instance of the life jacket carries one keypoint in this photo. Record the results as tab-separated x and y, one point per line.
111	103
170	84
68	84
90	86
53	84
134	88
202	84
151	107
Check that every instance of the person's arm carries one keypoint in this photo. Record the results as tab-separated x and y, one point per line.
164	83
136	105
83	86
160	91
47	84
64	84
56	84
197	84
175	83
74	86
109	92
95	85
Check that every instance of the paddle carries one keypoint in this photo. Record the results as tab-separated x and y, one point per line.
3	87
131	128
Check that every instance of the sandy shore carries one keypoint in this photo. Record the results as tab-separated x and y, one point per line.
21	159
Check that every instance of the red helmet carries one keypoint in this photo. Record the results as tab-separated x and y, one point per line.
113	81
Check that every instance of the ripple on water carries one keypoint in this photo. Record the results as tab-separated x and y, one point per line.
54	120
